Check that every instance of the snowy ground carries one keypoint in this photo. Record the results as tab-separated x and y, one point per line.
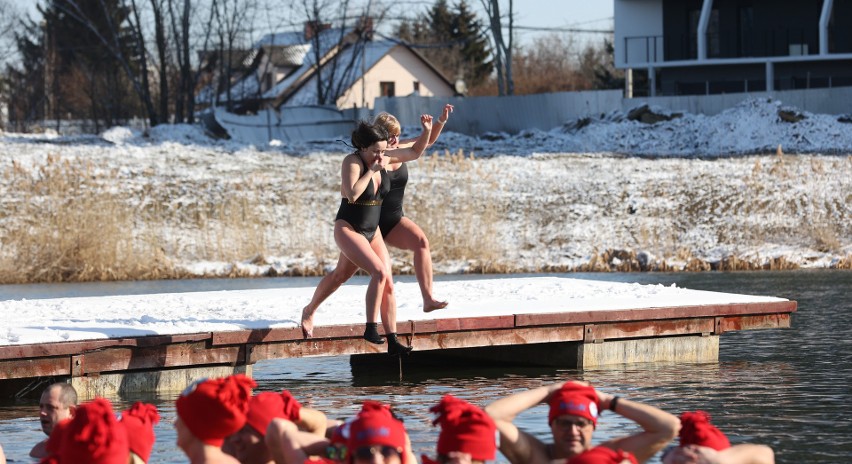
703	192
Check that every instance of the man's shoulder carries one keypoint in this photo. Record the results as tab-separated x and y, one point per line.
39	450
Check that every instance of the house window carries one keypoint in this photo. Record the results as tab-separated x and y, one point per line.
387	89
416	88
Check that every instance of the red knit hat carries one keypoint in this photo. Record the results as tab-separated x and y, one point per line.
696	429
139	421
603	455
575	399
54	442
212	409
465	428
375	425
94	436
266	406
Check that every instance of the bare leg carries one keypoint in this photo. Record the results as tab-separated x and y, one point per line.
408	236
395	348
358	250
344	270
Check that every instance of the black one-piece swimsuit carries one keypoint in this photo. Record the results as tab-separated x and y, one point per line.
392	203
363	214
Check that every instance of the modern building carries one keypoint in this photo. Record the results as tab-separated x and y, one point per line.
697	47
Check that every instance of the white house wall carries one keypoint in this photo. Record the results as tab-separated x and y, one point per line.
638	18
403	68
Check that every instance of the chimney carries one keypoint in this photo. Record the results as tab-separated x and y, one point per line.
312	28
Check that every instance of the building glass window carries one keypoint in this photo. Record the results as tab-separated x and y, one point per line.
387	89
416	88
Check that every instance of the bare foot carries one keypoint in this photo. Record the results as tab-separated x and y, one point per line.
434	305
307	323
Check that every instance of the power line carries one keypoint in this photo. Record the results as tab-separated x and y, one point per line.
560	29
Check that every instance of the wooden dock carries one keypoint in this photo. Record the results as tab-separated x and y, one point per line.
584	339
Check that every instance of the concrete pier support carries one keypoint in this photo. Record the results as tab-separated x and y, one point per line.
163	381
685	349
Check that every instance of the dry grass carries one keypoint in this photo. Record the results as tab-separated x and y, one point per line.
68	229
64	220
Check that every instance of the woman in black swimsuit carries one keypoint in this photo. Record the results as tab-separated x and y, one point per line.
406	234
364	182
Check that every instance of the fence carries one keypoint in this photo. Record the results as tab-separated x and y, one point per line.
479	115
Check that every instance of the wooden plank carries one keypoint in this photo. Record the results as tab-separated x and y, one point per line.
179	355
238	337
594	317
649	329
428	341
75	347
764	321
40	367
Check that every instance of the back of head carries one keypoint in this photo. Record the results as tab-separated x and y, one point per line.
603	455
465	428
139	421
93	436
366	134
266	406
212	409
389	122
696	429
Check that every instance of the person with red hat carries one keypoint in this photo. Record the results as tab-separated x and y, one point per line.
289	445
603	455
249	445
468	434
378	436
574	411
375	435
92	436
208	411
139	420
702	443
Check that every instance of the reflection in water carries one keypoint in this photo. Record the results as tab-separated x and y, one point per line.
789	388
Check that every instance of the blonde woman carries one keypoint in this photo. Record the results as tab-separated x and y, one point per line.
396	229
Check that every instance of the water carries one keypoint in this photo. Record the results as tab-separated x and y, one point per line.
787	388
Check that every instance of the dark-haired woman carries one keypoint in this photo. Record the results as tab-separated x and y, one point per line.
364	182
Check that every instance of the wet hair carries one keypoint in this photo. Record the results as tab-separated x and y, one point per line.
389	122
367	134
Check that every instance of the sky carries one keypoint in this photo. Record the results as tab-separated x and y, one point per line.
581	14
86	318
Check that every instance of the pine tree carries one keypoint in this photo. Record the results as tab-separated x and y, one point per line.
89	81
452	40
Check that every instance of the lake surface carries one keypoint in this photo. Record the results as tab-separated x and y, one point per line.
787	388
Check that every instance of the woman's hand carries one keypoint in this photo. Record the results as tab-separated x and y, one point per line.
445	114
426	122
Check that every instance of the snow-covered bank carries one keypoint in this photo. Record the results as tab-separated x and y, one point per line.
557	200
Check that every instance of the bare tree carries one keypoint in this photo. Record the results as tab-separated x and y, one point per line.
10	22
333	69
232	20
502	50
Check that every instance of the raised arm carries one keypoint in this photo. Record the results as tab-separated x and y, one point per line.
289	445
313	421
517	445
658	426
401	155
744	453
437	127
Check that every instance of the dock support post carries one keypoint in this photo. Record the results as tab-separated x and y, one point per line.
681	349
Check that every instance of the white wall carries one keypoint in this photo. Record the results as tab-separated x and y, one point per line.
402	67
637	18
